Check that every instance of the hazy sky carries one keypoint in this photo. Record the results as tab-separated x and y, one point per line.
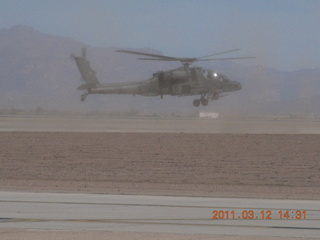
284	34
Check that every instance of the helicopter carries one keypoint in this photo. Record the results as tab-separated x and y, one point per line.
209	85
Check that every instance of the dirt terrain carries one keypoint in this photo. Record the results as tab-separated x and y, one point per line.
230	165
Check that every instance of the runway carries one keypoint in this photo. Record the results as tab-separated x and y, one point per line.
160	214
154	125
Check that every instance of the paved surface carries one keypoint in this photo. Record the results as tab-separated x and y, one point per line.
129	213
192	125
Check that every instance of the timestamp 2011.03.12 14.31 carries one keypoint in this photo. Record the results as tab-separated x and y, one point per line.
259	214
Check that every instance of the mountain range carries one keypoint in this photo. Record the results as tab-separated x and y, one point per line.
36	70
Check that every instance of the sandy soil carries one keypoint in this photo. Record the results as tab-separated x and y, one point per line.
259	165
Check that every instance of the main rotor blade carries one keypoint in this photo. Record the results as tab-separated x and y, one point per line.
185	61
222	59
233	50
148	54
158	59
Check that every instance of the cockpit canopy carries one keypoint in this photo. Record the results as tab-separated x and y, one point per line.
212	75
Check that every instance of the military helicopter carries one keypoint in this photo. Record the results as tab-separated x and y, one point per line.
183	81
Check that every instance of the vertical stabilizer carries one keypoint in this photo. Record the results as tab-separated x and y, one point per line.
87	74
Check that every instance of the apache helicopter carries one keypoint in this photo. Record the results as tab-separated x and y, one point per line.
183	81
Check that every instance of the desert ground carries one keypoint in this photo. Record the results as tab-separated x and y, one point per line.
186	163
229	165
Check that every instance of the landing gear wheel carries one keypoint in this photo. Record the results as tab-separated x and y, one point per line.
196	102
204	102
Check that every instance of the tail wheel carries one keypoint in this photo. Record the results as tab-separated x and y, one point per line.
85	95
196	102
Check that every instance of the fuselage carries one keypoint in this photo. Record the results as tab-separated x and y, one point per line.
178	82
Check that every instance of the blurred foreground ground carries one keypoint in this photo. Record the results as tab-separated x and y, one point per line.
61	235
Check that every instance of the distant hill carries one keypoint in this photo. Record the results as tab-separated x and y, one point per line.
36	71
